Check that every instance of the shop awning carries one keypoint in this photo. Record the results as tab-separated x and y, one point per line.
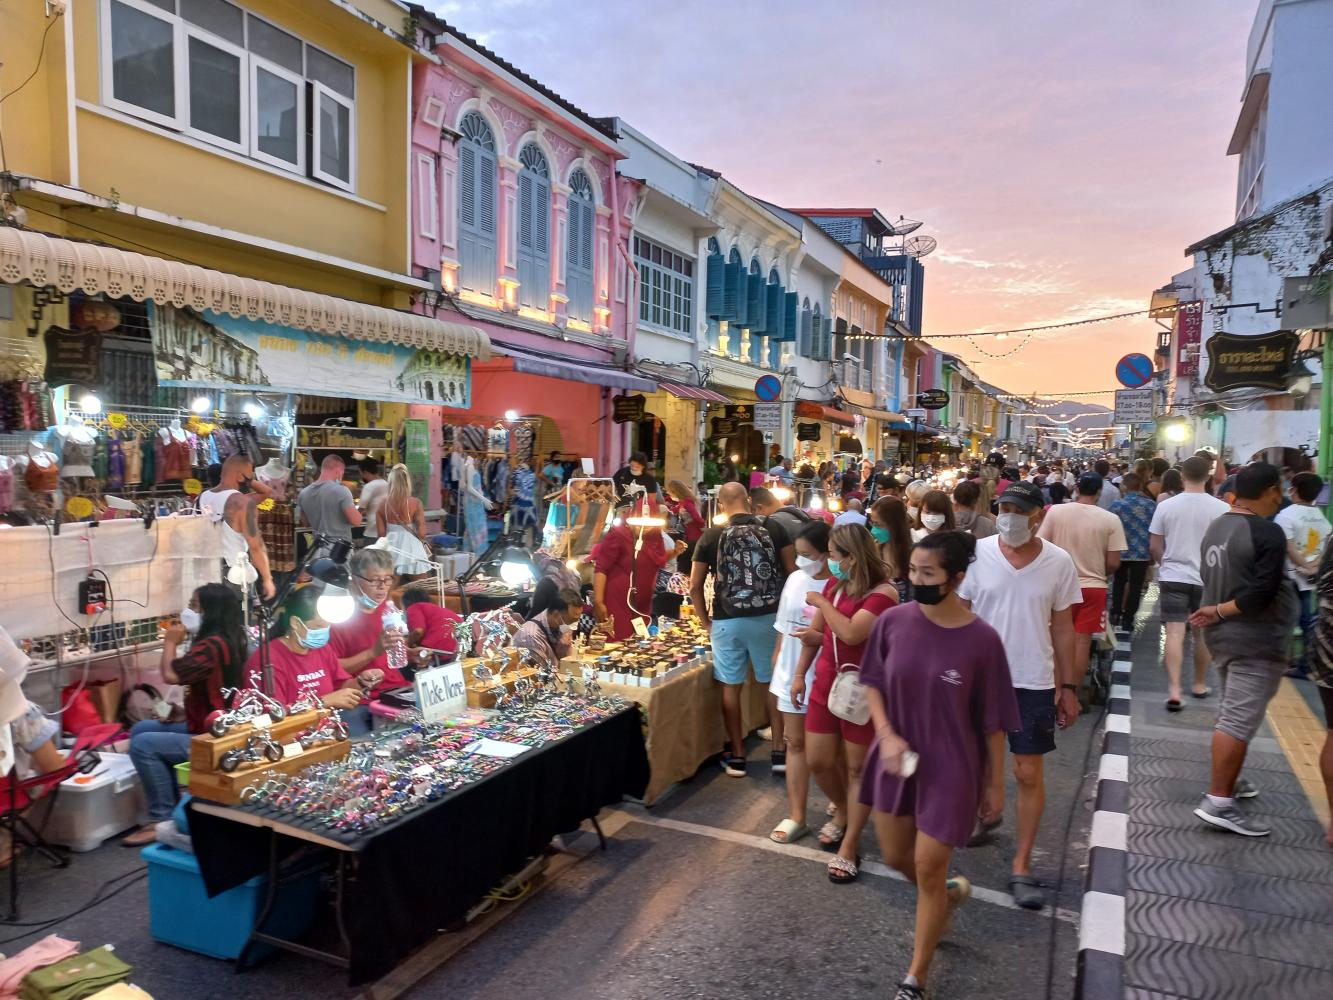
818	411
574	371
682	391
884	415
72	266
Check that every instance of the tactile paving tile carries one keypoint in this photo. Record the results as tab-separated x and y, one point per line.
1262	935
1293	831
1228	850
1200	973
1137	994
1169	767
1188	791
1202	752
1226	887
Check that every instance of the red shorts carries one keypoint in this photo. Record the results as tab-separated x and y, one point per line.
1090	613
818	719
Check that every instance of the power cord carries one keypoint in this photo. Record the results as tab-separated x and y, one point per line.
41	54
38	926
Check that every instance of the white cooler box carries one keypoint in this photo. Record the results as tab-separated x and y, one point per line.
91	808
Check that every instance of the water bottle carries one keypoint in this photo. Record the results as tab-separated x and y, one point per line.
395	621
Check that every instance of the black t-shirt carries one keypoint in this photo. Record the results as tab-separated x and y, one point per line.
706	552
624	477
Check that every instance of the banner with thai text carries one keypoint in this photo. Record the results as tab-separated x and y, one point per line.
215	351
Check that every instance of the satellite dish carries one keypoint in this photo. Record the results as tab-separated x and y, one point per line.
904	226
919	246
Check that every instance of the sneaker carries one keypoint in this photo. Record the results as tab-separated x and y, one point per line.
765	734
1231	818
1244	789
734	766
778	759
906	991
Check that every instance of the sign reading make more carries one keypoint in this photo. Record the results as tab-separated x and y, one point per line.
441	692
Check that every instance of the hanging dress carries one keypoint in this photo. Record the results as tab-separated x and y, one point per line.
476	536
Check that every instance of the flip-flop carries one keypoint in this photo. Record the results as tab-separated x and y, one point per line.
1027	892
788	832
830	836
1173	705
982	831
842	871
1201	694
963	891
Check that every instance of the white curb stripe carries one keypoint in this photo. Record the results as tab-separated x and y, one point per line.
1114	767
1102	925
1109	829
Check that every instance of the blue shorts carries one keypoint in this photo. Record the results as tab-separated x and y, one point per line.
738	642
1036	709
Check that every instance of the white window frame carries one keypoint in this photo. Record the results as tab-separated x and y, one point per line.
187	32
428	204
317	92
175	120
256	64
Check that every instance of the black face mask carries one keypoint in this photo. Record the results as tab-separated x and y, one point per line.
929	593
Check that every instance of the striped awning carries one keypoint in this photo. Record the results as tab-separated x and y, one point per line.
93	269
682	391
818	411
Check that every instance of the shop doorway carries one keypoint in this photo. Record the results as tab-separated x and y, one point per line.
650	436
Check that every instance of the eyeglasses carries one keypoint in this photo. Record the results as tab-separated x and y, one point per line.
379	582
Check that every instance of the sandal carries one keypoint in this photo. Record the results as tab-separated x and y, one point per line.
841	871
830	835
1027	892
1173	705
788	832
140	837
1201	694
959	890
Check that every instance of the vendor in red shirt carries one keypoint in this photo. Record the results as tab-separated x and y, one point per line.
431	626
624	583
304	661
360	641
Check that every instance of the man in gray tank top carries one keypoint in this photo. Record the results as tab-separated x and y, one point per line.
233	504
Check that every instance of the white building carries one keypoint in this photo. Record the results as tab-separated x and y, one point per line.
1284	131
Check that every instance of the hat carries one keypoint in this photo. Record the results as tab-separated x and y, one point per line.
1089	483
1023	494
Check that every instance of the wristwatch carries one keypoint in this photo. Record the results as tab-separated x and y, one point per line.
1070	687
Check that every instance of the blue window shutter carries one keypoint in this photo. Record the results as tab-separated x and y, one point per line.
793	303
826	345
805	347
715	291
777	301
731	290
774	353
486	243
742	317
758	304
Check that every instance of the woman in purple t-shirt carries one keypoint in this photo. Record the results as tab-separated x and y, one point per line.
941	700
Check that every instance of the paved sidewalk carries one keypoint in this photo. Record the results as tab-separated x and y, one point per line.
1210	914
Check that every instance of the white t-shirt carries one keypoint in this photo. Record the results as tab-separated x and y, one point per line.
1018	604
793	613
1309	529
1181	520
373	494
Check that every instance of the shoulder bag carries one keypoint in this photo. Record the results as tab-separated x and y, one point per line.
847	696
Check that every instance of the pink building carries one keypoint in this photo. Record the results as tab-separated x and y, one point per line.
517	207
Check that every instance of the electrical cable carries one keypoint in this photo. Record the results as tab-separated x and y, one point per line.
41	54
96	900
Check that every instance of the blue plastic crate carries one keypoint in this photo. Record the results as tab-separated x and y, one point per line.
181	914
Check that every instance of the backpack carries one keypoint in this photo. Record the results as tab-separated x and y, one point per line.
748	579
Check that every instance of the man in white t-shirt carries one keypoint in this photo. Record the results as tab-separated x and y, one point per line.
1307	533
1025	589
1176	532
374	491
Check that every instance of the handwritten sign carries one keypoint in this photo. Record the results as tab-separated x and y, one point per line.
116	421
441	692
193	487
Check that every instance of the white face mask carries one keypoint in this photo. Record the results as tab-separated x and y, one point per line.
911	511
1013	528
932	521
812	566
191	619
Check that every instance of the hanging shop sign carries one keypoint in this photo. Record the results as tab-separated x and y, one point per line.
416	455
1189	332
724	427
73	357
1307	303
768	416
628	409
807	432
741	413
933	399
345	438
1237	362
212	350
1133	406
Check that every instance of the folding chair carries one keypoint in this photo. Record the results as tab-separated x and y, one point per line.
16	795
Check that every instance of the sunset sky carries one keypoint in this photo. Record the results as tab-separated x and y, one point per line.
1063	153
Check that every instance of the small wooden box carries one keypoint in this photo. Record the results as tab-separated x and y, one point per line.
218	786
206	750
479	696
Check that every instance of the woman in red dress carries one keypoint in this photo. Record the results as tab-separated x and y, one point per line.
624	581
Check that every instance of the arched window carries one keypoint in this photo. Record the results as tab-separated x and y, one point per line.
430	391
578	249
534	228
713	245
476	204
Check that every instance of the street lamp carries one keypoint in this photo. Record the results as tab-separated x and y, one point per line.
1177	432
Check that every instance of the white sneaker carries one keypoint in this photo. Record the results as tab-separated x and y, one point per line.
1230	818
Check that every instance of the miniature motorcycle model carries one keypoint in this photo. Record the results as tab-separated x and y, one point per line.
330	730
247	704
306	703
257	747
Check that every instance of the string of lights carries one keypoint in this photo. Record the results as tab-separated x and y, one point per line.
1013	350
1016	330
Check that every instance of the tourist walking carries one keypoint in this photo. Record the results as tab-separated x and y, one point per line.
1026	589
1307	533
400	521
1248	609
326	505
1135	510
749	560
794	615
1177	529
969	514
1319	660
845	612
941	696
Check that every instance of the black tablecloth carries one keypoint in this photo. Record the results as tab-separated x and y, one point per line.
427	870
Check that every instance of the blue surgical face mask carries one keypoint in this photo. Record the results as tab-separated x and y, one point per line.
835	567
881	535
369	603
315	638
